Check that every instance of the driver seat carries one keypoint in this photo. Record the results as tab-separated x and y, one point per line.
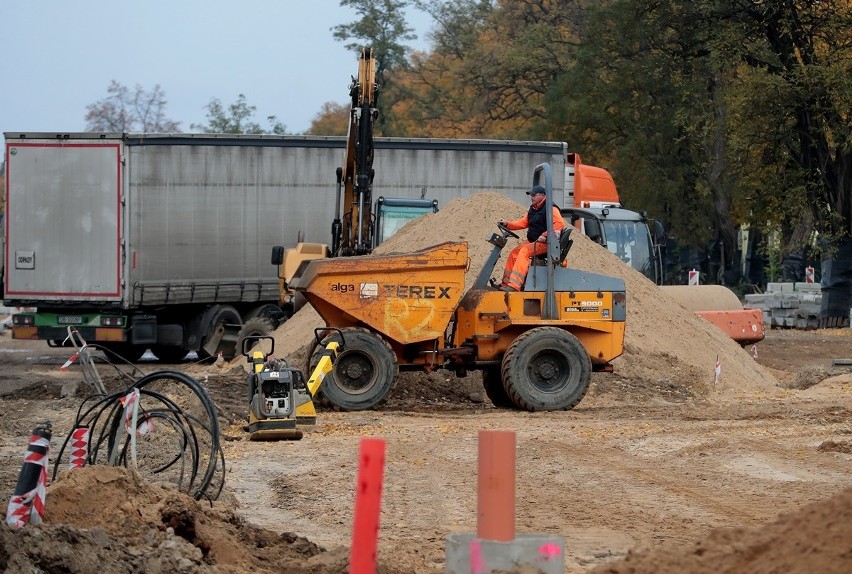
565	243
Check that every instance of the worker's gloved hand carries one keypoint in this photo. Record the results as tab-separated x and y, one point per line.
542	239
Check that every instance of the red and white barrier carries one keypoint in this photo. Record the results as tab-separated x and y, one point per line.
69	362
130	401
693	277
79	448
809	274
27	502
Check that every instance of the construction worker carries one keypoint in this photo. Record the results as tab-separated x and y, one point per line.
535	222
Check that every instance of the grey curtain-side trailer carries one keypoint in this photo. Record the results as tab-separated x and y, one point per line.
163	241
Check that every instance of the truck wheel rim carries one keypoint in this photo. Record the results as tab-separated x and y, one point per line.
547	371
355	372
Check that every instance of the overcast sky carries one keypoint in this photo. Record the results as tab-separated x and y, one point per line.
60	56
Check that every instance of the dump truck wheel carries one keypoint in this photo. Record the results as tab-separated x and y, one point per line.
546	369
363	375
492	380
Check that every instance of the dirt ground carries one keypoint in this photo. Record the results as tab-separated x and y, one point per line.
660	468
637	466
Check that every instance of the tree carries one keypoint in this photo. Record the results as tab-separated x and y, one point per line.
332	120
797	61
382	27
236	119
435	100
124	110
492	64
639	99
716	113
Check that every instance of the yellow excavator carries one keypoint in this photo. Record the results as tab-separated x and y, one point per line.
353	234
358	225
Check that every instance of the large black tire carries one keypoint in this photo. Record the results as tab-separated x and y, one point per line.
492	381
256	327
363	375
272	313
546	369
169	353
227	315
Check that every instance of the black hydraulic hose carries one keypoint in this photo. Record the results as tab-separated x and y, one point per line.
104	416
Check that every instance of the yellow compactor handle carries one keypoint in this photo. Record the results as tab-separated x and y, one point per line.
324	366
257	360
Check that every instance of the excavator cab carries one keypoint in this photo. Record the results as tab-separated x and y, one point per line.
393	213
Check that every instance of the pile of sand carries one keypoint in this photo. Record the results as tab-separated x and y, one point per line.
814	538
665	344
122	523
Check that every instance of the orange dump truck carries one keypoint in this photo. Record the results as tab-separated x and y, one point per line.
536	347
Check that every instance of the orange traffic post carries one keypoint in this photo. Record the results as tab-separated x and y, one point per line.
368	503
495	518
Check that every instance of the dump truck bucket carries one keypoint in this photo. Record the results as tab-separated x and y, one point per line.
407	298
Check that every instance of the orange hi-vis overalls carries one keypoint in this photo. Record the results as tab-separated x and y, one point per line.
518	263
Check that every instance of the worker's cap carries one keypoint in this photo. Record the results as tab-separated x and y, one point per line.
536	189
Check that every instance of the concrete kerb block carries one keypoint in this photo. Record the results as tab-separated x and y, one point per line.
467	554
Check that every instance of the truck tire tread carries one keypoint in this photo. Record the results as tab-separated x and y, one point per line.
546	369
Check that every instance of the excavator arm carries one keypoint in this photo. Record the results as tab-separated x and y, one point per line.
352	228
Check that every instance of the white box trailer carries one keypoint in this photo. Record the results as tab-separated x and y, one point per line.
163	241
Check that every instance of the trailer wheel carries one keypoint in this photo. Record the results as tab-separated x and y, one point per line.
256	327
492	381
272	313
224	317
363	375
546	369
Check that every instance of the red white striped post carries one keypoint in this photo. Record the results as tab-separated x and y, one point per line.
27	502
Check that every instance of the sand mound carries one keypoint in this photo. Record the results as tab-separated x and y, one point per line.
122	523
814	538
665	343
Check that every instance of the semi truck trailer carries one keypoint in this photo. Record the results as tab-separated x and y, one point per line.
162	241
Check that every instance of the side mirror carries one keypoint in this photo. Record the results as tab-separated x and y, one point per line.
659	233
277	254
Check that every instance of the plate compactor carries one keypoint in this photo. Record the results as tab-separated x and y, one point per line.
279	398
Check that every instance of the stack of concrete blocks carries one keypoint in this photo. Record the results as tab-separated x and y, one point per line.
788	305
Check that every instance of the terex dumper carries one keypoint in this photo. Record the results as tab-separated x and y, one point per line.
594	207
536	347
